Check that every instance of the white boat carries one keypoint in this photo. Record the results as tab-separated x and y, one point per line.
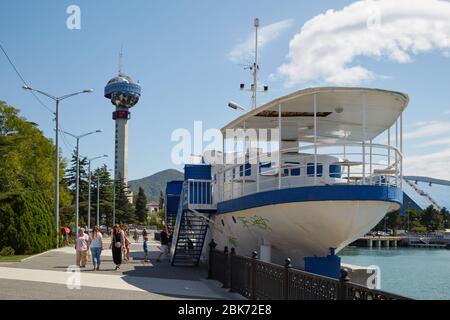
287	210
283	208
322	184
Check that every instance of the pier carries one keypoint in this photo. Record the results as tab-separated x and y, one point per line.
379	242
414	241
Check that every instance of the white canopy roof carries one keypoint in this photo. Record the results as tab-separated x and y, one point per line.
339	113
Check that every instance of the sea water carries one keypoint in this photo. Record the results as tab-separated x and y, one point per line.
411	272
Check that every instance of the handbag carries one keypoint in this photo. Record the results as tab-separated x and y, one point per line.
118	244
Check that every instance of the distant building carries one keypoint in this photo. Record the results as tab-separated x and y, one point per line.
152	206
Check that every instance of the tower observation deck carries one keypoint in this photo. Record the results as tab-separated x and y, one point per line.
124	93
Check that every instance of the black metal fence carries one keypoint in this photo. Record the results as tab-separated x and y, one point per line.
258	280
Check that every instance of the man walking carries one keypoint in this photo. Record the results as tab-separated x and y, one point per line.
164	245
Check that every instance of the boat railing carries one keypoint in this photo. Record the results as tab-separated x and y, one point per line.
198	195
350	163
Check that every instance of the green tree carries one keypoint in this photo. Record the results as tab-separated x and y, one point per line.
26	184
105	196
161	200
125	213
432	219
141	207
70	183
446	217
394	221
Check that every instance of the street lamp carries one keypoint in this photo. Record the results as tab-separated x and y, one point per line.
77	183
57	100
89	188
236	106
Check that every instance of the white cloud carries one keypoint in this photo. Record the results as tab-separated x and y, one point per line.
438	142
245	50
327	46
428	129
434	165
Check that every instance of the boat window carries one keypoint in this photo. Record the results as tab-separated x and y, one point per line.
310	170
294	171
248	170
335	171
264	166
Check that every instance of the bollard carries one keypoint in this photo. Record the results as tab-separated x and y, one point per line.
212	246
225	268
343	280
232	254
253	276
287	266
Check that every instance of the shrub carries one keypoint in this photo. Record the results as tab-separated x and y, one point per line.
26	222
7	251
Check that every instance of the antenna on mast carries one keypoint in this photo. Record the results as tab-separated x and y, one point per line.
120	59
255	70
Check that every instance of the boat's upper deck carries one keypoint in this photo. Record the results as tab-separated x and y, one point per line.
350	114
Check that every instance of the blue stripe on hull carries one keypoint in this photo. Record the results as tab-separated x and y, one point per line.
315	193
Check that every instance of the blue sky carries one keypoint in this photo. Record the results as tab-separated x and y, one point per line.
179	51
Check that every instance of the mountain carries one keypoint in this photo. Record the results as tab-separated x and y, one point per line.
155	183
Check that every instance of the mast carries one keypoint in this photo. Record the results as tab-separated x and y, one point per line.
255	66
255	71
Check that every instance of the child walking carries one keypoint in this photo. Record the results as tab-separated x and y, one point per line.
145	247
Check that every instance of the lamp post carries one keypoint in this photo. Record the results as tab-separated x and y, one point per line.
57	100
114	199
89	190
98	200
77	182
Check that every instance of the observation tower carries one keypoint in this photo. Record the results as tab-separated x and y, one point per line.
124	93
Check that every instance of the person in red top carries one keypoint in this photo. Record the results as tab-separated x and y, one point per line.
65	233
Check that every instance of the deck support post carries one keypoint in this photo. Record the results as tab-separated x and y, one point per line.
315	139
363	181
279	146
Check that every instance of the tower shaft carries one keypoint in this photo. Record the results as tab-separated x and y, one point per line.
121	148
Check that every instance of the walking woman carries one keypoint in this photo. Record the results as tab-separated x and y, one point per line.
96	247
117	243
82	247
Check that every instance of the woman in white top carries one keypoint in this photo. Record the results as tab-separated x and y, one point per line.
96	245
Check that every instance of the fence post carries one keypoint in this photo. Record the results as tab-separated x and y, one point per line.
212	246
232	254
343	280
253	276
287	266
225	268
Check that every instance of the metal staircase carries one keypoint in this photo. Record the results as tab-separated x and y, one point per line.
191	224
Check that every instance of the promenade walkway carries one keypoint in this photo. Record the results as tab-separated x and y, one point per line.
45	276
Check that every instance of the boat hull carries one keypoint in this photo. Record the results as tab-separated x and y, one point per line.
298	229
